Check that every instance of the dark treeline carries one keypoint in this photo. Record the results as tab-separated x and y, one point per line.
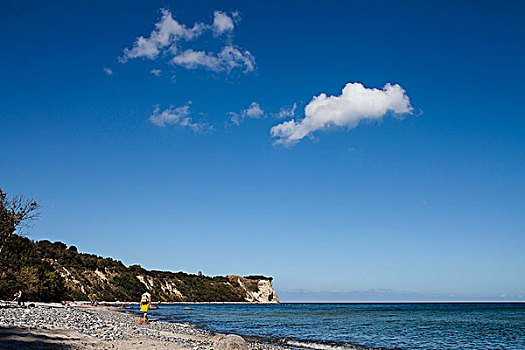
23	268
47	271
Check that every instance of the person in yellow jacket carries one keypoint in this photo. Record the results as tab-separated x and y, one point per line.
145	302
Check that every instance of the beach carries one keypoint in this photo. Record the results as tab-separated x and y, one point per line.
80	326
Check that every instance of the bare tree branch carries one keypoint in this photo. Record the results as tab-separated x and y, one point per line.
16	212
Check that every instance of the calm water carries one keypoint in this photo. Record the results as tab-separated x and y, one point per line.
406	326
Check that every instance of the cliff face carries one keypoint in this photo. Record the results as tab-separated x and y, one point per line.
171	287
167	286
259	289
79	276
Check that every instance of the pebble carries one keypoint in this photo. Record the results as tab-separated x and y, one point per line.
107	325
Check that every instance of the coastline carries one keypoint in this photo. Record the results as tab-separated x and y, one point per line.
81	326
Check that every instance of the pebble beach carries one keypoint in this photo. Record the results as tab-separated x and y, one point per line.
53	326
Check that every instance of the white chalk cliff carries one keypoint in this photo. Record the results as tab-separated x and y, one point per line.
257	290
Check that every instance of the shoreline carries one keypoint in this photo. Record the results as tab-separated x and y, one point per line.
113	303
82	326
273	343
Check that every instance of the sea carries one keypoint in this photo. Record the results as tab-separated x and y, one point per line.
362	326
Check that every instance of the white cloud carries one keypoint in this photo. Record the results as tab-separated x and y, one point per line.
169	38
286	112
254	111
156	72
177	116
226	60
231	58
167	33
107	70
222	23
142	48
355	104
194	59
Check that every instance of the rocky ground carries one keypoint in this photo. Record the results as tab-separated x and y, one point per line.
46	326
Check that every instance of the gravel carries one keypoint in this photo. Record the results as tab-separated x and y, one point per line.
108	325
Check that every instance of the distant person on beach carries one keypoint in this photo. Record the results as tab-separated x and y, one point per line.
145	302
18	297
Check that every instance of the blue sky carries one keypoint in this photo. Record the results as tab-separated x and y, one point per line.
413	192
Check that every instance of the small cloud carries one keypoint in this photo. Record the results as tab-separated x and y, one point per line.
355	104
156	72
254	111
351	149
226	60
222	23
425	203
107	70
177	116
286	112
167	33
190	59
